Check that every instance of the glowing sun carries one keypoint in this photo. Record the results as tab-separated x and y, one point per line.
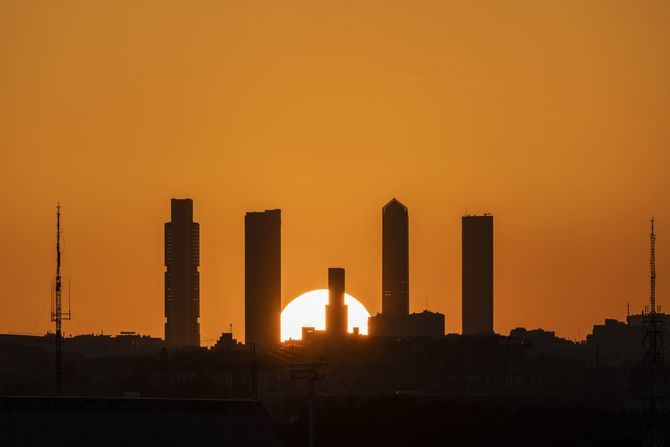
309	309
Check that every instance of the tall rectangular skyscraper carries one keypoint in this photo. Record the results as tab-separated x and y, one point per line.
395	268
477	274
182	279
262	277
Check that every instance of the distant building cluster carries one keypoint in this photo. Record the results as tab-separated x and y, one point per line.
126	344
407	355
262	262
395	319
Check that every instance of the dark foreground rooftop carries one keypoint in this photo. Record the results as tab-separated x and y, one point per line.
27	421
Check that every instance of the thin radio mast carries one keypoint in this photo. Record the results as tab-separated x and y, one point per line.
57	314
653	339
652	265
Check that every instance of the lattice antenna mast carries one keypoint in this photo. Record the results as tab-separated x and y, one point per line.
57	314
653	339
652	266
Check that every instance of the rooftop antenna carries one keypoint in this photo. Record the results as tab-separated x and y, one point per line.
312	372
652	265
57	314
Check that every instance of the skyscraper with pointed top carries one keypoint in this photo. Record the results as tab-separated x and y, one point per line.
395	267
182	279
395	319
395	259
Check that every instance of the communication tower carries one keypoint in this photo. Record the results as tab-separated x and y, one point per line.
653	340
57	313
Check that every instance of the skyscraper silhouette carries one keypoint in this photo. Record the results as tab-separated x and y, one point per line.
182	279
395	267
336	310
262	277
477	274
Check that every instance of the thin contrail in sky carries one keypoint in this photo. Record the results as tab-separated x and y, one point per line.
439	80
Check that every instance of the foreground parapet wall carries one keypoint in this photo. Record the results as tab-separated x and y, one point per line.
121	421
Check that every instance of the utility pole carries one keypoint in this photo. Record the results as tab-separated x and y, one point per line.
57	314
653	340
254	371
311	373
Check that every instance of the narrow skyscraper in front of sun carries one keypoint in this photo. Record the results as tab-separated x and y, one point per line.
336	310
262	277
182	279
477	274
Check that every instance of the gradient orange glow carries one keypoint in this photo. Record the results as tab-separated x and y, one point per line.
551	115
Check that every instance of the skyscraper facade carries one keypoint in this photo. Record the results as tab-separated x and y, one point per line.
262	277
336	310
182	279
395	267
477	274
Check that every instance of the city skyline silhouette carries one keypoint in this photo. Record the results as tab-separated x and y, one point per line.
344	223
416	307
263	257
452	111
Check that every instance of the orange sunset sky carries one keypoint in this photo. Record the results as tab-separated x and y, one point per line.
552	115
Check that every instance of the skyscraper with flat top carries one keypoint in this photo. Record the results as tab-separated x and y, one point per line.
262	277
395	267
477	274
336	310
182	279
